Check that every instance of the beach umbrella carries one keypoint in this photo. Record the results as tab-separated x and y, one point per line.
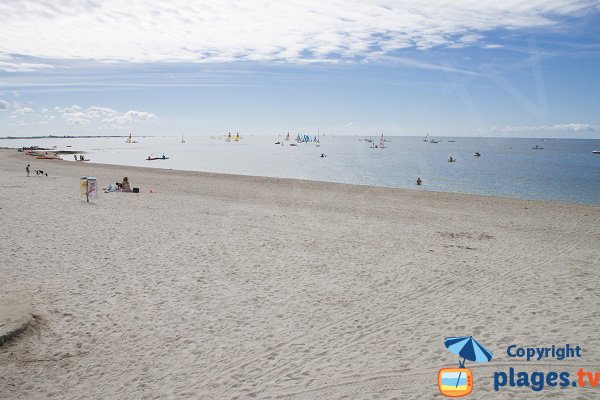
469	349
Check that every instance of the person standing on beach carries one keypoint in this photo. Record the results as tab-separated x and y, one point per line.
27	169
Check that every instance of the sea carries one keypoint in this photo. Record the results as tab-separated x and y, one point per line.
564	169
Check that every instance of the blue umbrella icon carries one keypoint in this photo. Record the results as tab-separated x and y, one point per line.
469	349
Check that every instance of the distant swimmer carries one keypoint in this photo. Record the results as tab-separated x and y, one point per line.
451	159
419	181
323	155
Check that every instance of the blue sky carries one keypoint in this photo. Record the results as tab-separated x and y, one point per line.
345	67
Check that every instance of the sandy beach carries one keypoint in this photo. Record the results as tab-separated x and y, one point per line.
229	287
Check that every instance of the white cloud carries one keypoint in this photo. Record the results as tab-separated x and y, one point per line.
4	105
572	127
23	111
493	46
10	63
131	116
47	119
76	115
261	30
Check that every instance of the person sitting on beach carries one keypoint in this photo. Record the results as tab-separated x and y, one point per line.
125	185
419	181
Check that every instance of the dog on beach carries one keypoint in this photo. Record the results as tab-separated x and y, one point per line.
39	172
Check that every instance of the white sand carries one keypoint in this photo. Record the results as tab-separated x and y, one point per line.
228	287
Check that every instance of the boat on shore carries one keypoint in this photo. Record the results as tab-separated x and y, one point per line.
595	151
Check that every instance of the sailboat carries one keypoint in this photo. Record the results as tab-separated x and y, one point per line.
382	142
318	141
182	139
426	138
129	139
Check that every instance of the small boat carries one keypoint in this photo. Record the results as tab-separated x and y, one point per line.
434	141
595	151
293	144
536	147
48	158
150	158
477	154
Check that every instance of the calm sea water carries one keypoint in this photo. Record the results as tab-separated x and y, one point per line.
564	170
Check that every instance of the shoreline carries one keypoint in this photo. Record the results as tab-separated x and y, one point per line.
216	175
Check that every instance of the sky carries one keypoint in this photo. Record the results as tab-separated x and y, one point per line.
347	67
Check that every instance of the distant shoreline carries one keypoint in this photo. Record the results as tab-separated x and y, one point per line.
63	137
280	134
